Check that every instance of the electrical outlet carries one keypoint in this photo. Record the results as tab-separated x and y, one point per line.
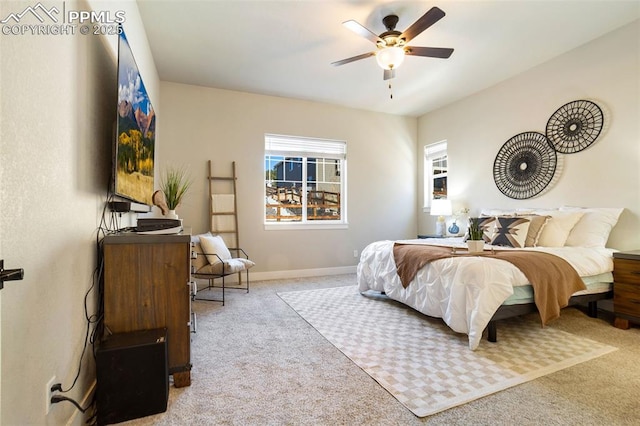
49	393
355	253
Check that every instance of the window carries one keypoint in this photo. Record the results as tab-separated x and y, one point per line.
304	181
435	172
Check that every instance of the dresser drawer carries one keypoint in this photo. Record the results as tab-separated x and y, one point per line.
626	271
626	299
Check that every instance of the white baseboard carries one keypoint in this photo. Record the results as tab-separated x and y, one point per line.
301	273
295	273
78	418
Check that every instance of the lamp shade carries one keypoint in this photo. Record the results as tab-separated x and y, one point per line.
390	57
441	207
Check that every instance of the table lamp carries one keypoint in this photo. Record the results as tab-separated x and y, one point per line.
440	208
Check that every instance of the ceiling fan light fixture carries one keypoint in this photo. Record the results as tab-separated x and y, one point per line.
392	45
390	57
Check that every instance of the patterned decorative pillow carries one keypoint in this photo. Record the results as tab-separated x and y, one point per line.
510	231
487	224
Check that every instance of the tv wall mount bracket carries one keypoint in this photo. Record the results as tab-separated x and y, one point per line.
9	274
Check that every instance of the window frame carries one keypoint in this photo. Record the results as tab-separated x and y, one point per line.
305	148
432	152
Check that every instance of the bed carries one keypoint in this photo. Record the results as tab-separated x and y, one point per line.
471	292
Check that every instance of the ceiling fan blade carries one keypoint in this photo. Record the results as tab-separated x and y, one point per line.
432	52
432	16
363	32
389	74
353	58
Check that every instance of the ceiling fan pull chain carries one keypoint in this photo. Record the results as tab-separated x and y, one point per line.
390	91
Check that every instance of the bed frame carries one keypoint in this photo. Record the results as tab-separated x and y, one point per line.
510	311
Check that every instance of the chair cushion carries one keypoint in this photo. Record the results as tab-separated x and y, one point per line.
231	266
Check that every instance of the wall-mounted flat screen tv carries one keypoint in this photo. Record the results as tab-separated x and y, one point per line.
135	133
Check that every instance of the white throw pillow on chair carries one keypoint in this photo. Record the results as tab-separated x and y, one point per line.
213	245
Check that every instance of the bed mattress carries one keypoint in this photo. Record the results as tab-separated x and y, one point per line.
601	283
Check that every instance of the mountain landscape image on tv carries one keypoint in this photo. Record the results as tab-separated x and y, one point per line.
135	135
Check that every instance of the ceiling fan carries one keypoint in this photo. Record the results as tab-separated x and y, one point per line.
392	45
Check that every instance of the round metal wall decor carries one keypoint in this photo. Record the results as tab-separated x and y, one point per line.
574	126
524	165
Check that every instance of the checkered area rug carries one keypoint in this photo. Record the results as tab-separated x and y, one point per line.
423	363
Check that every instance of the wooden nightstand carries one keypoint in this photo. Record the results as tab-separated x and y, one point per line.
626	288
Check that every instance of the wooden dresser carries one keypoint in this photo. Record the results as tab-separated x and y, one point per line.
626	288
146	286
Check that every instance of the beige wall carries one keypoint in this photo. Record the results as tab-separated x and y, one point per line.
200	124
607	174
57	122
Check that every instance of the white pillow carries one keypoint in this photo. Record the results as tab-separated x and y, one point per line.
540	210
557	229
594	227
212	245
520	211
497	212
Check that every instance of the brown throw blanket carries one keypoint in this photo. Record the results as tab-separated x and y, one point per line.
553	279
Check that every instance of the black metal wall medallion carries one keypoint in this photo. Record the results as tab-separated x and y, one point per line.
524	165
575	126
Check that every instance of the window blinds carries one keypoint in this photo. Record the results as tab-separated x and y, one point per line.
435	150
301	146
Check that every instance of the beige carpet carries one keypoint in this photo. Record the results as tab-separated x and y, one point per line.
422	362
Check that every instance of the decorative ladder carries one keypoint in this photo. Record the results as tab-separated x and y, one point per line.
223	208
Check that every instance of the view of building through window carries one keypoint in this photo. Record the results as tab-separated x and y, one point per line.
435	172
304	180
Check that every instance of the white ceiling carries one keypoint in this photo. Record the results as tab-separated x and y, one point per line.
285	47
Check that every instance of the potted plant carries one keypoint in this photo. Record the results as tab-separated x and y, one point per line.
475	242
175	183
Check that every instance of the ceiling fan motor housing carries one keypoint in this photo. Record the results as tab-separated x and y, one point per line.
390	22
391	37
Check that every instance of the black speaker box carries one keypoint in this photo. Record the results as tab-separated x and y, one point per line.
132	375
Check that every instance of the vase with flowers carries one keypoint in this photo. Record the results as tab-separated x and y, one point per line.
454	229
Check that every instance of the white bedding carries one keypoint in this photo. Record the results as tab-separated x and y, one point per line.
464	291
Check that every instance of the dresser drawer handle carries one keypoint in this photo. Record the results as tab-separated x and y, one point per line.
635	272
636	301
